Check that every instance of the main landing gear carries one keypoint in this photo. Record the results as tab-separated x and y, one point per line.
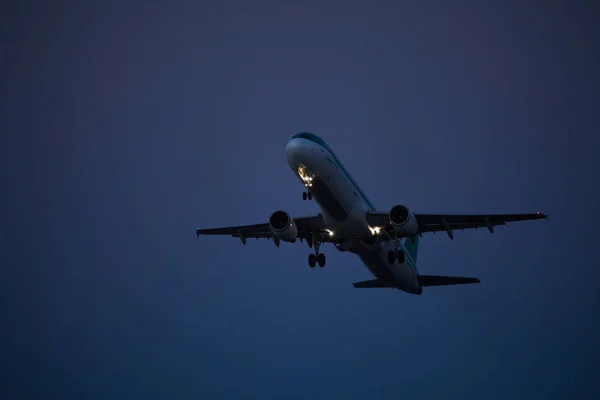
397	253
306	195
317	257
313	259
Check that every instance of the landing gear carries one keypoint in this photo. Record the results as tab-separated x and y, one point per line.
396	254
400	256
321	259
316	257
391	256
306	195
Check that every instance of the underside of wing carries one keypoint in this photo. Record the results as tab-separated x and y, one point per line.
449	222
306	227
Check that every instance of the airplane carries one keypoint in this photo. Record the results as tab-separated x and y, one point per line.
386	242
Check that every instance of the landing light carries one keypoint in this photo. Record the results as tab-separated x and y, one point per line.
330	232
375	230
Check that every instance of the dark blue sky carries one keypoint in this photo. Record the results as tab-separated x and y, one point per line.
126	125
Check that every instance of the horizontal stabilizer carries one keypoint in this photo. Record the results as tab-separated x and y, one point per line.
434	280
374	283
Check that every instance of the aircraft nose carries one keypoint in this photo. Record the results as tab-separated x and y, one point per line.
294	150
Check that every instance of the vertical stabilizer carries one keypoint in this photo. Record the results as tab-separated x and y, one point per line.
412	246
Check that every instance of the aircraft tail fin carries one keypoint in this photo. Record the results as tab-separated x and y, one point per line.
411	244
436	280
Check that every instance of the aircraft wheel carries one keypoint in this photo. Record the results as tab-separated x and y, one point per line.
309	195
400	256
304	195
391	256
321	259
312	260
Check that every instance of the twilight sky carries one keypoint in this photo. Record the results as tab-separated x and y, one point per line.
127	124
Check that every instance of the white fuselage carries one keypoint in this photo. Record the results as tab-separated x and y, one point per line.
343	208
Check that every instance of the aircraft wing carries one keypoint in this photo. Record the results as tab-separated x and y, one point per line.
451	222
306	227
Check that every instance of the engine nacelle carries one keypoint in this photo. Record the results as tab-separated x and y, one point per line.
283	226
403	221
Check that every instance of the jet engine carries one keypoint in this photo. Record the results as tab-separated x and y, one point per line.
403	221
283	226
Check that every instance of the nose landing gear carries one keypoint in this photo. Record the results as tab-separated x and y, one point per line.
306	195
